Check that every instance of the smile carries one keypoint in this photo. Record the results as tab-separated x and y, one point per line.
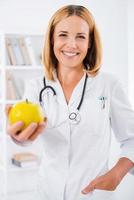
70	54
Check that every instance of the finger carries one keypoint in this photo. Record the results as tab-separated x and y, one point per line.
89	188
12	130
26	133
8	108
39	130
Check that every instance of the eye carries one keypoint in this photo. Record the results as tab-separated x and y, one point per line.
81	37
62	35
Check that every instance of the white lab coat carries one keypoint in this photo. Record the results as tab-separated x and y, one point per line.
75	154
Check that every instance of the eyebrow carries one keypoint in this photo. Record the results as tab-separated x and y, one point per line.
81	34
77	33
62	32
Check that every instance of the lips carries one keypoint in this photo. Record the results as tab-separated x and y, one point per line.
70	54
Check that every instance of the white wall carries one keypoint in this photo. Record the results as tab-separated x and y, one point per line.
28	16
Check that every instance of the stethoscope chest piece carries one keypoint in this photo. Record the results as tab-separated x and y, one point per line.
75	117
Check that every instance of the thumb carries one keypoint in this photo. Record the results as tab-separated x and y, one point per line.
89	188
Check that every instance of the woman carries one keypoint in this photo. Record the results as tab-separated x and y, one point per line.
82	104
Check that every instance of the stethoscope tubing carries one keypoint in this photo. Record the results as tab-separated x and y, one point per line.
72	116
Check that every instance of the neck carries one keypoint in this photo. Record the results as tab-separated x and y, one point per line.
67	76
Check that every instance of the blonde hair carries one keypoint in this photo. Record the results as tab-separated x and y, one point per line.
92	61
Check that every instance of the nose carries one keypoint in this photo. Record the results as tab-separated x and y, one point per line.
71	43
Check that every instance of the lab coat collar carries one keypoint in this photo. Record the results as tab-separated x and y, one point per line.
77	92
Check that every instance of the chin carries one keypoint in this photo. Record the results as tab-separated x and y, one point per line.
72	63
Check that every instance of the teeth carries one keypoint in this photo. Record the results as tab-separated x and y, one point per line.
69	53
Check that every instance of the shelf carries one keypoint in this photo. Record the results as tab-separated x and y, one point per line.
13	80
13	148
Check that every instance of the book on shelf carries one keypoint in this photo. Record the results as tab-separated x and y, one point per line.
10	89
7	58
25	159
20	51
10	52
13	91
17	52
24	51
18	83
30	49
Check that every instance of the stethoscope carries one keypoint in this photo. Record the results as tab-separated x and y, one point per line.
74	117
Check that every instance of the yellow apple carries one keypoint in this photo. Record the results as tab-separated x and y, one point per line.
27	112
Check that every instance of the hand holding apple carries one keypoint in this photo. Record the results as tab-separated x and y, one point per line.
25	118
27	112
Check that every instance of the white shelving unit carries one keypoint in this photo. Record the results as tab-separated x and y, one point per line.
13	79
2	141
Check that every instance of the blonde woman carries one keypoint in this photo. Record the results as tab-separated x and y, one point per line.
82	104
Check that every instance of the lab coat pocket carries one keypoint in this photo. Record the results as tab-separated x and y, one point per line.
96	117
103	195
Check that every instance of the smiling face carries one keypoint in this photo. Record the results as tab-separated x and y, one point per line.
71	42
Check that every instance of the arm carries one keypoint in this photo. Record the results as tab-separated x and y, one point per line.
122	123
122	167
112	178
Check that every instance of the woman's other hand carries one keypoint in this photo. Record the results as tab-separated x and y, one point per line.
107	181
112	178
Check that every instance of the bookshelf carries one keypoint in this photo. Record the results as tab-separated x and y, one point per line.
20	61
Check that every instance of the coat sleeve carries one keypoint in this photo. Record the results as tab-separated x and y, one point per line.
122	122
